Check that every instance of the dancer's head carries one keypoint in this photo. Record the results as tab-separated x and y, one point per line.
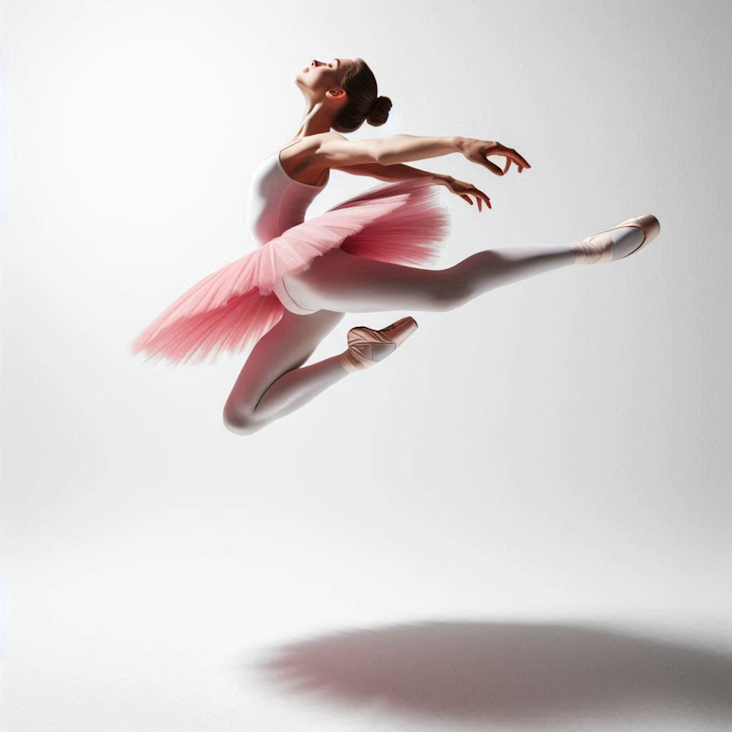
346	88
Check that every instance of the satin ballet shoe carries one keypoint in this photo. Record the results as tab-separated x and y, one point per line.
608	247
367	346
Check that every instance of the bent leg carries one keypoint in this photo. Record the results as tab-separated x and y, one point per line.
350	284
271	384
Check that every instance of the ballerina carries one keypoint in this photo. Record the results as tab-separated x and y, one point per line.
367	254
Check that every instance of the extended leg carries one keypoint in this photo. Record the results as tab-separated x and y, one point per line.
347	283
273	382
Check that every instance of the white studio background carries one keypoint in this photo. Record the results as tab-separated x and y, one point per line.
519	521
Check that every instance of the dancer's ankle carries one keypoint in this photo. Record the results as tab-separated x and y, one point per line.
346	362
585	253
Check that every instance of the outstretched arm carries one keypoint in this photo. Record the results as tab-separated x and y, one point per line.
406	172
390	172
401	148
337	152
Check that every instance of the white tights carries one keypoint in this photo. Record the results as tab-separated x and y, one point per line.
274	381
345	283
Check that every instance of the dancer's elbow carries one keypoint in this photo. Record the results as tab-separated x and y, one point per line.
341	153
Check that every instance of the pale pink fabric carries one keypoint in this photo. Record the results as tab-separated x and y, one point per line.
234	307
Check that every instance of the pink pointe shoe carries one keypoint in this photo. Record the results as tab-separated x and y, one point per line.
619	241
367	346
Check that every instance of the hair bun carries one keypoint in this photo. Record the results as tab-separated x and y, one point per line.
379	111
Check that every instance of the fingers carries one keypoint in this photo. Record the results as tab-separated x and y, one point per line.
465	190
470	201
511	156
480	195
492	167
518	159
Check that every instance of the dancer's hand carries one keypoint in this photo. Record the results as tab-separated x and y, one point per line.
477	151
462	189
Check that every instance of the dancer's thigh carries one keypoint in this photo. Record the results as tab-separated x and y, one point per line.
286	346
350	284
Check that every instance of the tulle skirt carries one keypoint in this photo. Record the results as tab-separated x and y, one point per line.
232	308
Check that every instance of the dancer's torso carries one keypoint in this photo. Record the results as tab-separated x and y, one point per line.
276	201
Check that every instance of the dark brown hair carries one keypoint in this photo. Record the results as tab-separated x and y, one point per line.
364	103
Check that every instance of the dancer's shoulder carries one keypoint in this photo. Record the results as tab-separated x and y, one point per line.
306	147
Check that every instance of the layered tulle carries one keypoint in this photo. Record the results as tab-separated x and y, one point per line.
234	307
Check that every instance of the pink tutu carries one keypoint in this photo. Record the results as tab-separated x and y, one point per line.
235	306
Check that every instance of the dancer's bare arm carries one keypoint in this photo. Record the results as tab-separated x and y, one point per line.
388	172
337	152
407	172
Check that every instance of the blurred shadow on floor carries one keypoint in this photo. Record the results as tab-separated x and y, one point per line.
506	673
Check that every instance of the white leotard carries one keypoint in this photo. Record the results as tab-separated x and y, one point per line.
277	203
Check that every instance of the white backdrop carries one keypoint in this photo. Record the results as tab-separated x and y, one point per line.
520	521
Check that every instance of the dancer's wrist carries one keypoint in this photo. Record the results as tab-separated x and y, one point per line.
442	179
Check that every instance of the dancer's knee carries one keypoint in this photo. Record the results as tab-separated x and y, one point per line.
241	422
468	278
452	290
451	299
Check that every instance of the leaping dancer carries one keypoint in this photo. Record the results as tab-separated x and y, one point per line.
367	254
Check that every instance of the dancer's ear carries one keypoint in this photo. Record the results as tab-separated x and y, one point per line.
335	93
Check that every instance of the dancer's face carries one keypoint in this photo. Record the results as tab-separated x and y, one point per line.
323	79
